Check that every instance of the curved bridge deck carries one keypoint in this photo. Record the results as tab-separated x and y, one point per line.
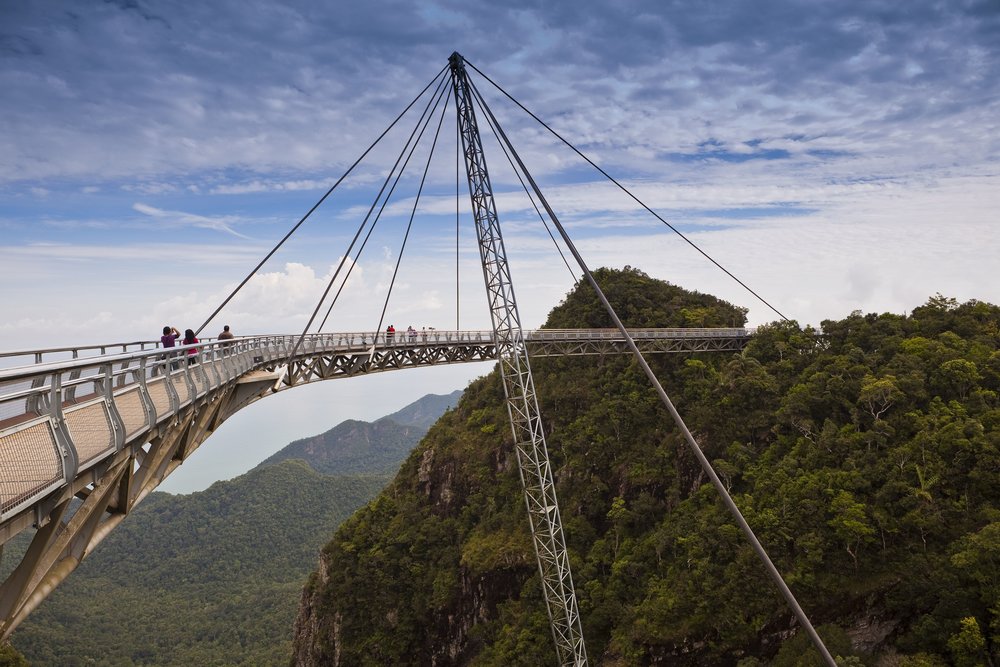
106	424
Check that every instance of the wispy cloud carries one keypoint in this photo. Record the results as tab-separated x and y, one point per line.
258	185
60	258
181	219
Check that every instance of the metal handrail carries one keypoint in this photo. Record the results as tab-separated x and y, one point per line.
615	334
154	347
31	389
78	348
343	339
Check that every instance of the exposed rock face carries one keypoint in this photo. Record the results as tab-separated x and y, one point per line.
310	627
465	597
869	632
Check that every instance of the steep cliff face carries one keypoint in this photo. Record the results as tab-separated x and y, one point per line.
441	566
400	584
867	460
311	629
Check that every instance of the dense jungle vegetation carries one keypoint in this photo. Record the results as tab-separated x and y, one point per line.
213	578
866	456
209	578
11	657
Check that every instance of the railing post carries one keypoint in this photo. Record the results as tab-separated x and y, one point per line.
117	423
147	400
168	383
64	441
228	362
200	363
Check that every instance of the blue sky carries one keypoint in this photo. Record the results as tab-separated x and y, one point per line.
834	156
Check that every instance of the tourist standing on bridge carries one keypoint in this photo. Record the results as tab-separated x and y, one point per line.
189	339
170	334
168	339
226	335
390	333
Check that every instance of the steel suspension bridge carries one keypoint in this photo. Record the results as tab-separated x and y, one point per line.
87	432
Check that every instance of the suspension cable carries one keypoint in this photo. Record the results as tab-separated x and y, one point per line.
413	212
481	103
628	192
458	146
312	318
693	445
317	204
385	201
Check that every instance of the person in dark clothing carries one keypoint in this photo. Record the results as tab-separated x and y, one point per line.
169	339
170	335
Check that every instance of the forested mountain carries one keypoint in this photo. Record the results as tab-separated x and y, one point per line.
368	447
866	456
201	579
213	578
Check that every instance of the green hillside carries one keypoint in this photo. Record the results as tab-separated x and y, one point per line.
210	578
867	459
213	578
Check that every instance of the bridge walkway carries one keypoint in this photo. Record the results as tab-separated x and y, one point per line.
105	424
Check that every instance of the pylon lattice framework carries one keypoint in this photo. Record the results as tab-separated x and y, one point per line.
519	389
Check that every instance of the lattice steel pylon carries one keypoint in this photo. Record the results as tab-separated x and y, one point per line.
519	389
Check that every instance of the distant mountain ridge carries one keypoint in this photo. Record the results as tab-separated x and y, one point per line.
378	447
423	412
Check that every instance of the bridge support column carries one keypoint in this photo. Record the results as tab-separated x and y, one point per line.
522	405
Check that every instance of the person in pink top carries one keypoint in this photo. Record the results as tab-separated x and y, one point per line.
189	339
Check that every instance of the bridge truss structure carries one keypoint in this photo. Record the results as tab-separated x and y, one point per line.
87	432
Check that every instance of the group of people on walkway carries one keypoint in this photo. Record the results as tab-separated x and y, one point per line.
171	334
411	333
